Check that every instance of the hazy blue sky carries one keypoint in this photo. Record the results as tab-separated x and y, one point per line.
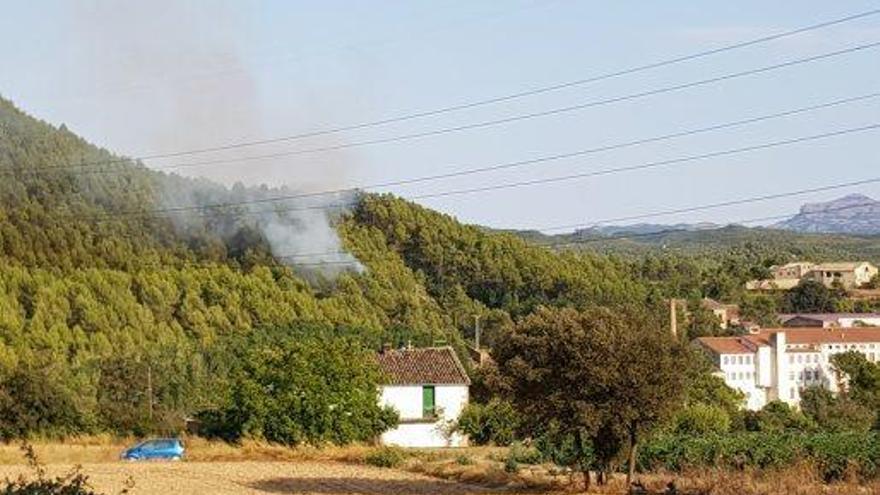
142	77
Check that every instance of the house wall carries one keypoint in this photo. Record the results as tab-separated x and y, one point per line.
780	371
859	321
416	431
849	279
865	273
743	372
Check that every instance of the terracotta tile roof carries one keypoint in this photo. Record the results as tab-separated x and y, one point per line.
430	365
727	345
746	344
813	335
827	317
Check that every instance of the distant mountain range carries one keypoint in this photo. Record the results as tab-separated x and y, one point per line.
645	229
854	214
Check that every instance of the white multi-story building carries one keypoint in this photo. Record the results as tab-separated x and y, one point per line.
776	364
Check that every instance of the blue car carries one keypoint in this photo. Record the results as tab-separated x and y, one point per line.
168	449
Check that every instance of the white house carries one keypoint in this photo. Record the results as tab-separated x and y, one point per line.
776	364
429	388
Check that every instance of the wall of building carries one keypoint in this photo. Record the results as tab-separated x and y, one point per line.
859	321
416	431
782	370
740	372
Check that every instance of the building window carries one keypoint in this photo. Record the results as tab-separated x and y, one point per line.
791	359
428	408
739	360
725	360
791	376
792	393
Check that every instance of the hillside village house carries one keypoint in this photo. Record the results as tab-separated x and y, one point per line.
429	388
830	320
849	275
776	364
727	314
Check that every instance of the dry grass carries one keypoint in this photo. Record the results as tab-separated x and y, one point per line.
259	478
254	467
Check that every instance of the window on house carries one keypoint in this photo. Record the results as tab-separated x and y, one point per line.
726	360
791	375
428	408
791	359
792	393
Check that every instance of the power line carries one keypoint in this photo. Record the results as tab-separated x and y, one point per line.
722	204
532	92
528	116
503	98
623	236
525	162
677	230
545	180
689	209
656	164
234	68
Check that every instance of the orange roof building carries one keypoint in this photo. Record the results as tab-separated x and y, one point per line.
777	363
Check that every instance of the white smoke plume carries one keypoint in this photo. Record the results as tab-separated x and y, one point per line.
175	75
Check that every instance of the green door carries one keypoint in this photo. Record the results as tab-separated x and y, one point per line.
428	410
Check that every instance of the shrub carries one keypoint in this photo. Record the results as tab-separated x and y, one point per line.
834	454
510	465
492	423
386	457
464	460
702	419
524	455
73	483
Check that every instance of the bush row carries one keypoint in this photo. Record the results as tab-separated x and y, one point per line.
833	454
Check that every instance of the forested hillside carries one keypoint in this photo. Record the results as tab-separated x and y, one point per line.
104	285
129	298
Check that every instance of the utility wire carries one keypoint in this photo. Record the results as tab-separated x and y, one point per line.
526	116
508	97
538	160
689	209
623	236
511	185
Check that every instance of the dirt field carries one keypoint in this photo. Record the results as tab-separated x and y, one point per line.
257	478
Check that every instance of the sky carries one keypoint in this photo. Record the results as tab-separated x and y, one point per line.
153	77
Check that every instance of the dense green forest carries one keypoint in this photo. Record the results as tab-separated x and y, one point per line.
101	293
124	309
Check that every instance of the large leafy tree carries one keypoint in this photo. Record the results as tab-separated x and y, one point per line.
602	377
811	297
296	387
862	379
835	412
